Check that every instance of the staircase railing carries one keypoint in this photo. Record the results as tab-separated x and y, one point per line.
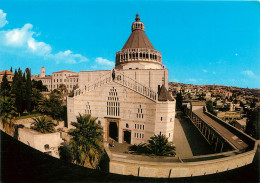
121	79
92	86
130	83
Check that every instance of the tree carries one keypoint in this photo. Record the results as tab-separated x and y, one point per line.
62	89
36	97
18	91
52	106
252	124
87	142
43	124
179	101
65	153
29	91
158	145
6	105
5	87
210	108
11	70
7	112
38	85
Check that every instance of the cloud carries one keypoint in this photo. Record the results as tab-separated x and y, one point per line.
103	61
68	57
204	70
176	80
191	80
3	20
248	73
214	73
22	41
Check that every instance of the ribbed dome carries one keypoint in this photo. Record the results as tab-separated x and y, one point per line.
138	52
138	39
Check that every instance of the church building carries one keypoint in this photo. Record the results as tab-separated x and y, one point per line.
131	101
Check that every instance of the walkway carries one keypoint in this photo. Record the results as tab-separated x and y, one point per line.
188	140
232	138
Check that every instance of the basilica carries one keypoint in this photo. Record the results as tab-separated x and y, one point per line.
131	102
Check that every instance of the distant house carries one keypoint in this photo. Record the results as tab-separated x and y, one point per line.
9	75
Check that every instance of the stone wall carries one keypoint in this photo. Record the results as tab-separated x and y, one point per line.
38	140
129	166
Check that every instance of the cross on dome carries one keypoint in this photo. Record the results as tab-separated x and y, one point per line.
137	19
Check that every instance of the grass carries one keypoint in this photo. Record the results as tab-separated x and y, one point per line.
27	115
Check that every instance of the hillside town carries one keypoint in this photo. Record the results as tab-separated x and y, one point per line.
232	104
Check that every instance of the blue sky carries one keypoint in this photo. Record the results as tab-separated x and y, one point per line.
202	42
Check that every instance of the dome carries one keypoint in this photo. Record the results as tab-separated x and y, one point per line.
138	52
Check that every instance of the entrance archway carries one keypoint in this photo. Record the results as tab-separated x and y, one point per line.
113	130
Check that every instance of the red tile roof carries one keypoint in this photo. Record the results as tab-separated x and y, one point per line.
7	72
64	71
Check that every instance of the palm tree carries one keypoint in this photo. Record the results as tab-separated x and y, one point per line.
62	88
158	145
87	142
43	124
7	112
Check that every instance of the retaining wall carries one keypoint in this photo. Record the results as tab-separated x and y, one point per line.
128	166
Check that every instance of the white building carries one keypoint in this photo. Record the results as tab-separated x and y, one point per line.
60	77
44	142
131	102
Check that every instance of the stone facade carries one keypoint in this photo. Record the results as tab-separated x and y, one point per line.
72	82
131	101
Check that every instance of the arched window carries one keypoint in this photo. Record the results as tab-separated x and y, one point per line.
113	105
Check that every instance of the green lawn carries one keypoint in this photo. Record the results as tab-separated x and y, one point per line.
26	115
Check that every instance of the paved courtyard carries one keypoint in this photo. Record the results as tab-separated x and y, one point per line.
188	141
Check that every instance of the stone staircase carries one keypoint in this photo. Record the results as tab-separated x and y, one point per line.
120	79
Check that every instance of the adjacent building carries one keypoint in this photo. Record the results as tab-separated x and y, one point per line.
61	77
9	75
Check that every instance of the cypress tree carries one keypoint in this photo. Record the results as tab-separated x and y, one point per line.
5	87
11	69
29	91
23	92
18	92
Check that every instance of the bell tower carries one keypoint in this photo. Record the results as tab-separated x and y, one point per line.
42	74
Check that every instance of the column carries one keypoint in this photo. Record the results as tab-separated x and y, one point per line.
222	144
